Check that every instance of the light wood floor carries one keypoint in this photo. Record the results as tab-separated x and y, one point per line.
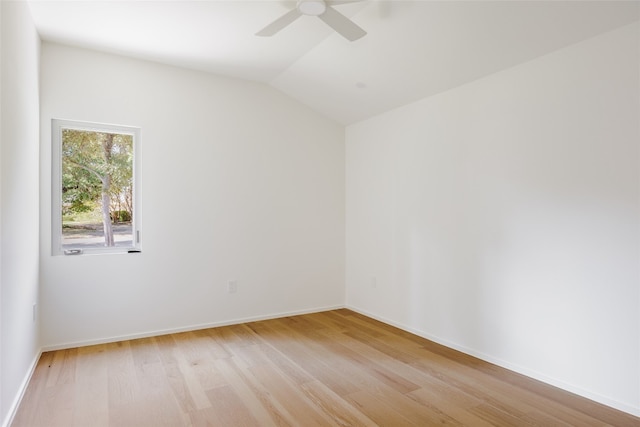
336	368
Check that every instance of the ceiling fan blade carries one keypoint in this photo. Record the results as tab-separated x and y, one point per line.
279	23
343	25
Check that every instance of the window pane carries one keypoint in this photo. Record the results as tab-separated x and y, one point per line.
97	189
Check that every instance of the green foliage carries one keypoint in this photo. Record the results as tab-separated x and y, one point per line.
79	192
91	162
120	216
91	216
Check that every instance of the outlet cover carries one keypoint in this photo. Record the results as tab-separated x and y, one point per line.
232	287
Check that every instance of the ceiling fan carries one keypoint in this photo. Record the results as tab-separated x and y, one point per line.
324	10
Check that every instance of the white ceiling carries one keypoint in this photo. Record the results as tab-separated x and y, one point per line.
413	49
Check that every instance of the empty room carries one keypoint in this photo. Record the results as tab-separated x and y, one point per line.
319	213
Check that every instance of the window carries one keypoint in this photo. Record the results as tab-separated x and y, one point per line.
96	197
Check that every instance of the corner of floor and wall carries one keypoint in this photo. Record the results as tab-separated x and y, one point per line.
500	218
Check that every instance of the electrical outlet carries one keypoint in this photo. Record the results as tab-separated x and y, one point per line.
232	287
33	311
374	282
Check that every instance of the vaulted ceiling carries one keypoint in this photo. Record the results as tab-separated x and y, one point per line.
413	49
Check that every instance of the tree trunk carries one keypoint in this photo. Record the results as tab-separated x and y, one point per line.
107	145
106	217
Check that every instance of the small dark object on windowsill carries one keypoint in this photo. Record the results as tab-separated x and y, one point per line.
134	251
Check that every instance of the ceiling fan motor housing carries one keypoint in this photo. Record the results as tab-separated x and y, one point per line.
311	7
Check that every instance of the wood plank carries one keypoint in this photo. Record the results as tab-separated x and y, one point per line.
378	410
227	409
258	399
458	409
338	409
123	386
91	406
302	410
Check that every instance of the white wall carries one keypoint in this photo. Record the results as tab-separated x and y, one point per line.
239	183
19	253
2	416
503	218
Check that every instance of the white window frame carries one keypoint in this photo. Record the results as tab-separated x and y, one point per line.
57	125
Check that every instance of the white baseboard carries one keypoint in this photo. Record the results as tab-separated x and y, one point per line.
13	409
635	411
188	328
